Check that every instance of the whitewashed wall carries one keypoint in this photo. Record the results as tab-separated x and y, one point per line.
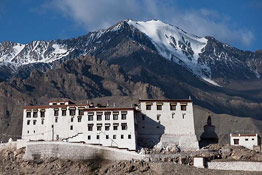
247	141
61	128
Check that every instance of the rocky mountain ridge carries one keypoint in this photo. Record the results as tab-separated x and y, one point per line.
207	58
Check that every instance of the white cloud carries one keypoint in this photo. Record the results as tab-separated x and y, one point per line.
97	14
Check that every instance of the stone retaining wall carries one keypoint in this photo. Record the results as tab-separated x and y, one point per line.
239	165
76	151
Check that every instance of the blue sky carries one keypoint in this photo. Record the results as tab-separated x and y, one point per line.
236	22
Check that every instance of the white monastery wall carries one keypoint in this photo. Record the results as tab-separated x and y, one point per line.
76	128
76	151
169	121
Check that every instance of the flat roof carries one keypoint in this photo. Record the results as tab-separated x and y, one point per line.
243	135
166	100
81	105
54	106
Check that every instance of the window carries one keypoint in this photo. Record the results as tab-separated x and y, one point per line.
98	117
98	127
90	127
90	117
72	119
107	136
159	107
34	131
246	139
42	113
183	107
88	137
54	103
124	126
80	111
114	136
35	114
56	119
42	122
158	116
34	122
172	107
27	132
107	116
183	116
62	103
123	116
79	118
28	114
107	127
63	111
55	112
253	139
115	127
173	115
72	111
71	127
115	116
97	137
28	122
129	136
122	136
148	107
236	141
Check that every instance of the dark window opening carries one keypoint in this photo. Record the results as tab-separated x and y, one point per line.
28	122
63	112
107	127
42	113
55	112
115	116
81	112
115	127
148	107
56	119
72	111
97	137
236	141
35	114
34	122
107	116
107	136
123	116
114	136
71	127
124	126
79	118
129	136
90	117
88	137
122	136
159	107
90	127
99	117
98	127
28	114
172	107
183	107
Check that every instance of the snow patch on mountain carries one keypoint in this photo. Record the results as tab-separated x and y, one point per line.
176	45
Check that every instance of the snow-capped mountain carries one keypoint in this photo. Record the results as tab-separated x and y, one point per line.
205	57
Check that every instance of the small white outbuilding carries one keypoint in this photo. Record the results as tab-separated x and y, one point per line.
246	140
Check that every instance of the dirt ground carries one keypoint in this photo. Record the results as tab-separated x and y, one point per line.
11	162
